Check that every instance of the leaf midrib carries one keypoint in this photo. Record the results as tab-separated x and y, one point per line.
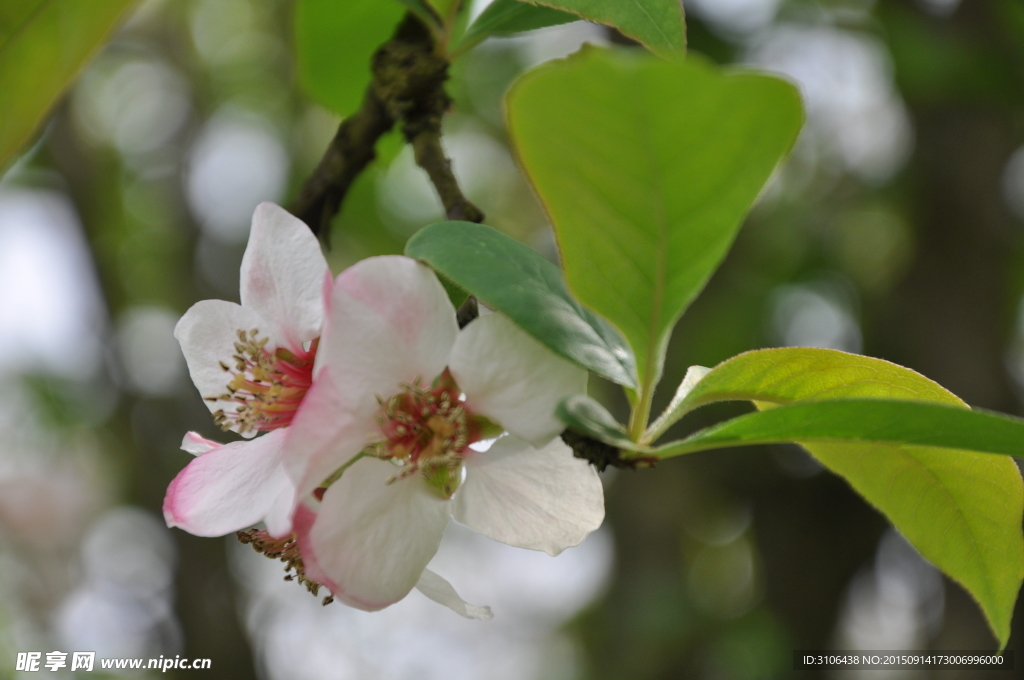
654	23
661	225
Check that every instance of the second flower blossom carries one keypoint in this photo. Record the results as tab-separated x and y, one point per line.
381	448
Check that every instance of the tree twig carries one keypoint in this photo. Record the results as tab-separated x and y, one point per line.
351	150
431	157
407	87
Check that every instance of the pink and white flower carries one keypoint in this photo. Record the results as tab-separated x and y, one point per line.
383	439
253	365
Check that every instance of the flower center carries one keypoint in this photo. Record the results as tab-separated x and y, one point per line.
268	387
427	430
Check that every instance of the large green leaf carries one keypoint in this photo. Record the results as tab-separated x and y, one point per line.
960	508
658	24
647	168
513	279
334	42
505	17
43	46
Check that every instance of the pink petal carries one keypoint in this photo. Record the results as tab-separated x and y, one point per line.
282	274
371	540
230	488
327	431
302	523
389	322
196	444
541	499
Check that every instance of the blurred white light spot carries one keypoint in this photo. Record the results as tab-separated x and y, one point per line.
722	579
149	353
124	606
405	192
136	104
481	165
803	316
216	24
476	8
557	42
735	16
896	605
718	528
853	108
531	594
237	162
51	314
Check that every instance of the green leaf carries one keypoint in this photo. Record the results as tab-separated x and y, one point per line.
647	168
658	24
961	509
917	423
334	42
586	416
789	374
505	17
677	407
513	279
44	44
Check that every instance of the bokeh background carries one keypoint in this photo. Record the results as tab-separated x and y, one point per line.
896	230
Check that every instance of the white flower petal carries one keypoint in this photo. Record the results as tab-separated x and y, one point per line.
389	322
440	591
229	488
282	275
371	540
326	433
196	444
208	333
279	512
512	378
541	499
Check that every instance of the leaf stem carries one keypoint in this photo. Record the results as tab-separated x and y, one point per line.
640	413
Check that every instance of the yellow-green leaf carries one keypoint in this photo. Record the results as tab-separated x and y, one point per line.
961	509
334	43
43	45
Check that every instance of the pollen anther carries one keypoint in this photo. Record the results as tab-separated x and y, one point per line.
266	386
